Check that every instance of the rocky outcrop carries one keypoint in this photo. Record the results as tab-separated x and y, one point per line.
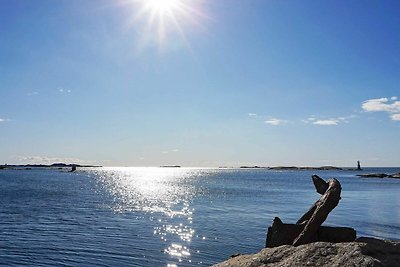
363	252
54	165
373	175
379	175
322	168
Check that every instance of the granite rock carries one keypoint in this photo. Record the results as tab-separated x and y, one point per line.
363	252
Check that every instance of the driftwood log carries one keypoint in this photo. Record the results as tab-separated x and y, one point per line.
308	228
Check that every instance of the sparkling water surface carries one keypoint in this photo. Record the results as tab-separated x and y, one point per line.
171	216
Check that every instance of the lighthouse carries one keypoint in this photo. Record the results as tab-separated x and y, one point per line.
358	165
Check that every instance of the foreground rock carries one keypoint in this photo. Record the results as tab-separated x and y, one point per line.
361	253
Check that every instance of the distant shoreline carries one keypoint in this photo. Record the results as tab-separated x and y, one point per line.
285	168
244	167
54	165
295	168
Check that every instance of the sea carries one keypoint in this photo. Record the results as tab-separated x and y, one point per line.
172	216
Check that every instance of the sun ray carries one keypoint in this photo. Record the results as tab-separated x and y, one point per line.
164	22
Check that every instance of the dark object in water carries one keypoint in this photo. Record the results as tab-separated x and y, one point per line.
373	175
73	168
308	228
358	165
170	166
379	175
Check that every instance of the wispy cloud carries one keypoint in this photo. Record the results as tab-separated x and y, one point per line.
328	122
275	121
269	119
395	117
390	106
170	151
62	90
309	119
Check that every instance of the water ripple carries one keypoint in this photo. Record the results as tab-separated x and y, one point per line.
166	192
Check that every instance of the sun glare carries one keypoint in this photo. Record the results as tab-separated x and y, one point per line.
163	6
165	22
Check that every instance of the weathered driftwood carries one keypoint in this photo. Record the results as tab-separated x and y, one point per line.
321	186
308	228
284	234
323	207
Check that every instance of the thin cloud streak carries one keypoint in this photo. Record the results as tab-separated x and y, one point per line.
275	121
328	122
395	117
252	114
175	150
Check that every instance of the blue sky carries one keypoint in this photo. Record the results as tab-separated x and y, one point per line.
229	83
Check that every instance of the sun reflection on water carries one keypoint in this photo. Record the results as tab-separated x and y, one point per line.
164	191
185	233
148	189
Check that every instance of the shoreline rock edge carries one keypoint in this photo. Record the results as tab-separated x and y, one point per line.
365	251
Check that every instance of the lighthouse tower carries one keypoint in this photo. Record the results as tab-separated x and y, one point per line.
358	165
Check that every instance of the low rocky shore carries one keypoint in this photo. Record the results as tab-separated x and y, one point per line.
322	168
54	165
295	168
362	252
379	175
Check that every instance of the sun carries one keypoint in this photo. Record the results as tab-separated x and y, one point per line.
163	6
164	22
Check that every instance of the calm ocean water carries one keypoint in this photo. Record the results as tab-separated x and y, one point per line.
171	216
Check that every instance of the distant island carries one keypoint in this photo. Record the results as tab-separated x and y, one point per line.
54	165
170	166
294	168
379	175
322	168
